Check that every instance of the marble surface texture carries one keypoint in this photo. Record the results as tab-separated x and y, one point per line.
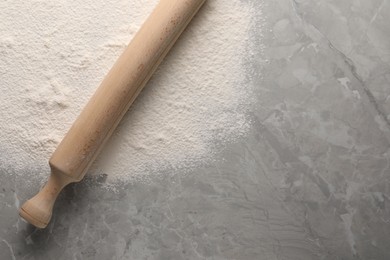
310	181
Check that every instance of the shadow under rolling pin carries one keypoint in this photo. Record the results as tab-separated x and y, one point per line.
112	99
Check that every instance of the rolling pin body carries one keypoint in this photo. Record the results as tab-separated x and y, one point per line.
112	99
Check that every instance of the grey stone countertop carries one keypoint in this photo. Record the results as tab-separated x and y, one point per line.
310	181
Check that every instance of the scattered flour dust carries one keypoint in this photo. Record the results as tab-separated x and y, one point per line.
55	53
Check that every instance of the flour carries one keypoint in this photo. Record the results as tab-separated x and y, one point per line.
55	53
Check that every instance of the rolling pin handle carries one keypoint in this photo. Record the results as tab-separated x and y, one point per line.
38	209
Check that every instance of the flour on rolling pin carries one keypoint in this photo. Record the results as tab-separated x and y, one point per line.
52	64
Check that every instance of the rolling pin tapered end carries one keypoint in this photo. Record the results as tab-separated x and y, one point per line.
35	215
38	210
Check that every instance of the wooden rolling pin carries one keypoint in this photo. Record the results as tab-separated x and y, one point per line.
102	114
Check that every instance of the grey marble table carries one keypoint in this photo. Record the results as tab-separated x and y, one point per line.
310	181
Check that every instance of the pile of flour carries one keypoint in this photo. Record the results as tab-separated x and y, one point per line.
55	53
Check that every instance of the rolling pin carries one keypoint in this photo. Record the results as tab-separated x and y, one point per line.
88	134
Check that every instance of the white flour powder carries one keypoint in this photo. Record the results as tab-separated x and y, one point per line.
55	53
